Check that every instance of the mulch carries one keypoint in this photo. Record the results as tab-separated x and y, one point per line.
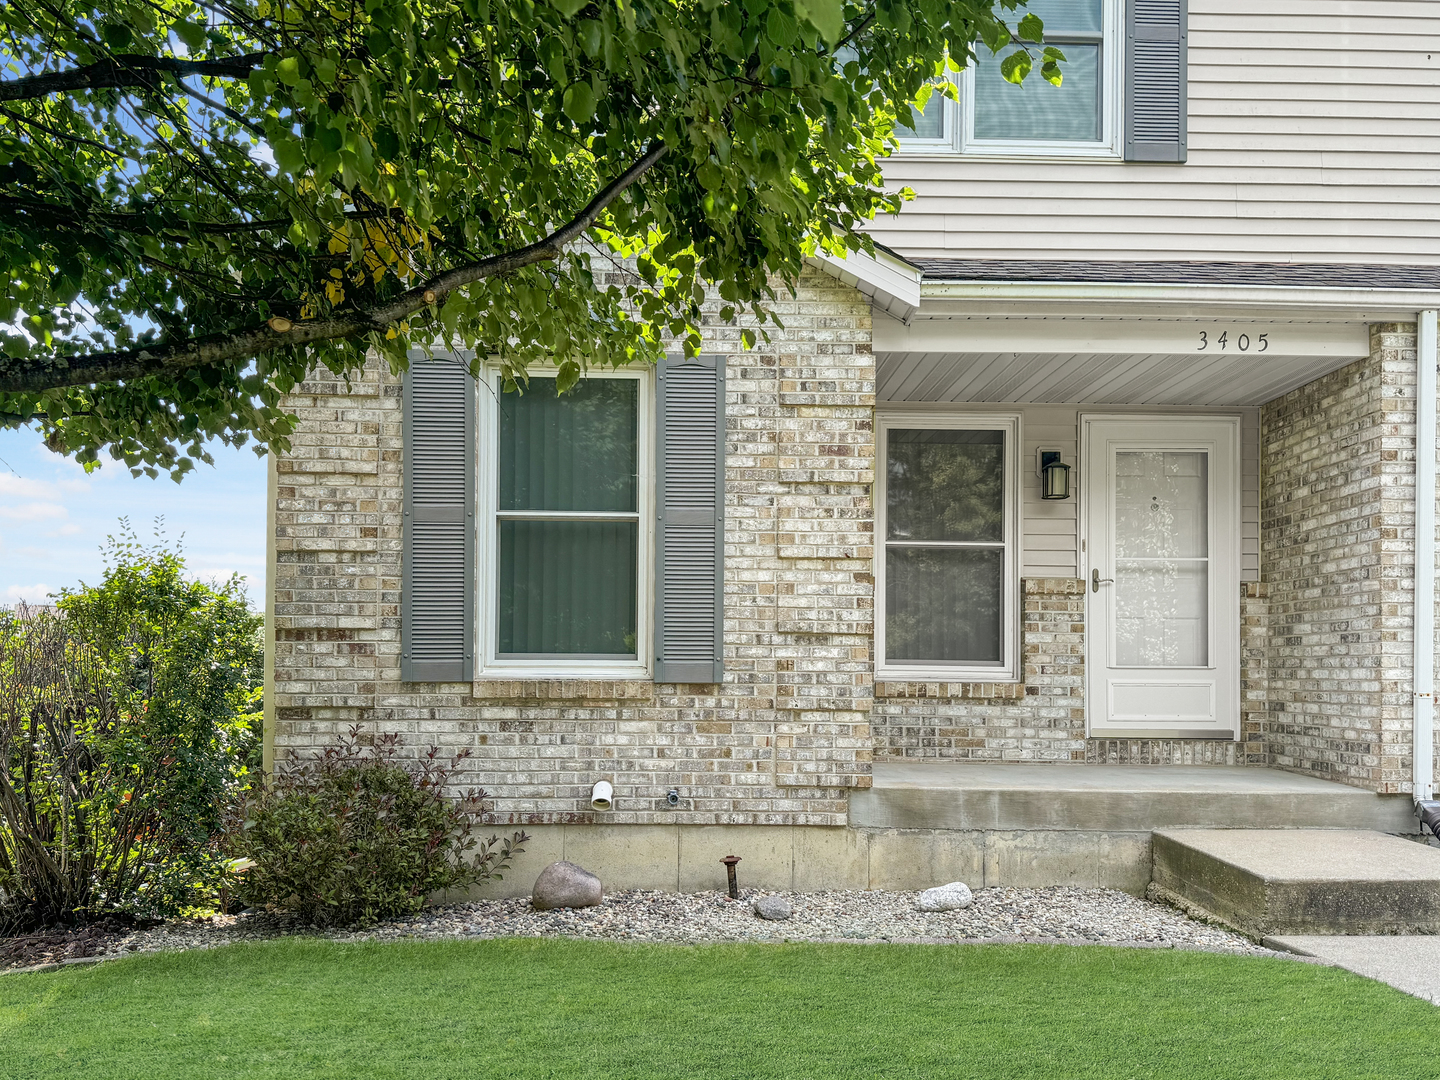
52	945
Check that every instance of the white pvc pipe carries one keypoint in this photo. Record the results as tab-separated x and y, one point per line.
1423	754
602	795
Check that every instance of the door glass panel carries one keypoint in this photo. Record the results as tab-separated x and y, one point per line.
1162	564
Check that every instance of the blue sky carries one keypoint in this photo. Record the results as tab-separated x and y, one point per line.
54	518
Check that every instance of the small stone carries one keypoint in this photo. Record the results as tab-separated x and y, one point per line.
950	897
565	885
774	908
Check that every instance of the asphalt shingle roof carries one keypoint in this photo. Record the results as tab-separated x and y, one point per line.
1335	275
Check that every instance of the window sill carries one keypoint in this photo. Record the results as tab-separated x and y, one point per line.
560	670
1047	156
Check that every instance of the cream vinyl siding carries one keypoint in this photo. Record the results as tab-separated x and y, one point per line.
1048	531
1314	135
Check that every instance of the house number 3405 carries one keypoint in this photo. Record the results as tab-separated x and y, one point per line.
1223	341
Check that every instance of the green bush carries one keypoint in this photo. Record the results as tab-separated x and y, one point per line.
129	716
357	834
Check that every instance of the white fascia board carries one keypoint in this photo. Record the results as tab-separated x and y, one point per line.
892	284
1197	300
1077	334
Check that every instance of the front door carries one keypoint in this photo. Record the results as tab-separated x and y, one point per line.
1162	559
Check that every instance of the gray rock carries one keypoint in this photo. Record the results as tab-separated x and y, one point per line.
565	885
950	897
774	908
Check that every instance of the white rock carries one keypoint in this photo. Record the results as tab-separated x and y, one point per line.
950	897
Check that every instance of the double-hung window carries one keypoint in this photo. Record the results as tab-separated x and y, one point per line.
947	569
1081	117
563	536
565	540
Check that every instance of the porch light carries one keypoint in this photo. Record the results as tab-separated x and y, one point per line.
1054	476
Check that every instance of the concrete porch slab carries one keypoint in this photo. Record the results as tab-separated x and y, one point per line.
1115	798
1302	881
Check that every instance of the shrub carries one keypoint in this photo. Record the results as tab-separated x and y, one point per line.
357	834
127	718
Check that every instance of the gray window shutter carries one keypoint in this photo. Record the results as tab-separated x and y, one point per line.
690	505
437	605
1155	80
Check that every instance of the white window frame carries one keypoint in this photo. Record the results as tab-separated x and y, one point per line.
959	121
1010	668
560	666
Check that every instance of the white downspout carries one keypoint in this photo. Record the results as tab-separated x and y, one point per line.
1423	756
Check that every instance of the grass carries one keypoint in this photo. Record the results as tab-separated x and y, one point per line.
587	1011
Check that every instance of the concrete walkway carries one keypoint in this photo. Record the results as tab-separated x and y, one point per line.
1406	962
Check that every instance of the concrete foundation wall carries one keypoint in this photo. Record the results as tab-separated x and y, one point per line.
686	858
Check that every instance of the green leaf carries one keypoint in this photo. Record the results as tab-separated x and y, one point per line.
117	35
568	8
1031	28
827	16
579	103
592	39
289	70
193	36
567	376
290	156
1016	66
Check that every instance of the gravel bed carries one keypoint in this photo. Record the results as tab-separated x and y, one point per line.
1075	916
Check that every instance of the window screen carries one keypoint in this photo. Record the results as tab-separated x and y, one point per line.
1036	110
945	557
567	520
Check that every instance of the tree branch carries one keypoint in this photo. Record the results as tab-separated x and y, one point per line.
105	367
127	71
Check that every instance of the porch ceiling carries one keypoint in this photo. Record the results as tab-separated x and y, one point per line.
1094	378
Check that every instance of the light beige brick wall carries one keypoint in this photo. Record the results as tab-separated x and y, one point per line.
1039	719
784	738
1325	637
1337	553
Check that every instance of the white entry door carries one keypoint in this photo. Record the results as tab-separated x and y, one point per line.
1162	576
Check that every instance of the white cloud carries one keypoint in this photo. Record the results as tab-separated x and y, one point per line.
28	594
30	513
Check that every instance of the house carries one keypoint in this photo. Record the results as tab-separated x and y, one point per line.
1106	460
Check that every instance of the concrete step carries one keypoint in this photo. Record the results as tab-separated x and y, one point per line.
1115	799
1268	882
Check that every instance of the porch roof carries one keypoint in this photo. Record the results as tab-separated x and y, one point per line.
1284	275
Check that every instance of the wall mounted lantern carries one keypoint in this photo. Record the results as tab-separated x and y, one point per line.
1054	475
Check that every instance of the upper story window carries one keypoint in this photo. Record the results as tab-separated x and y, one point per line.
947	573
1079	118
565	551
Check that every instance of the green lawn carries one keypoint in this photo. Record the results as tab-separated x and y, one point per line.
581	1010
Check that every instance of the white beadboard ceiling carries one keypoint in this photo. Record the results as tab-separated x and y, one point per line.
1095	378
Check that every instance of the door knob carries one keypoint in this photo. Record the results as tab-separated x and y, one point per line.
1096	581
